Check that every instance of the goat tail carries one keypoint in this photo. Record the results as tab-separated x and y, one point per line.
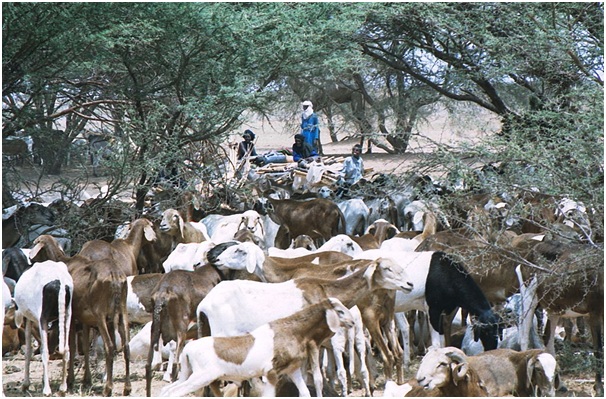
65	315
156	320
203	325
341	225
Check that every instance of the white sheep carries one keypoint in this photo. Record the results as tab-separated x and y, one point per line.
38	288
139	349
271	350
527	373
447	371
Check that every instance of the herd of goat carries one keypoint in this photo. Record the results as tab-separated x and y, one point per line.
307	291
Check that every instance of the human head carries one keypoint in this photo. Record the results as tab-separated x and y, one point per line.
249	133
246	136
306	104
356	150
299	137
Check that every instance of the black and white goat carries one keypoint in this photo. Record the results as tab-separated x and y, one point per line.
441	285
44	294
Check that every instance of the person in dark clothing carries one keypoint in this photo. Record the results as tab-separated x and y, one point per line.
247	147
302	150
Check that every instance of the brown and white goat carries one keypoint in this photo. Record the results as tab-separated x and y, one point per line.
43	294
271	350
236	307
181	231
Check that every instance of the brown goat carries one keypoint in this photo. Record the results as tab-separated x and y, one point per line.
100	291
574	281
174	302
318	218
123	251
366	241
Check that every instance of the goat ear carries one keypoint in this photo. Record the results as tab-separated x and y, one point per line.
369	273
150	234
332	319
391	233
557	383
181	226
476	333
532	363
34	251
251	261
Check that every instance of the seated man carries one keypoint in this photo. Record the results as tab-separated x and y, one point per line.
352	171
302	150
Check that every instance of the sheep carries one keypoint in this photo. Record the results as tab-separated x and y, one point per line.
237	307
187	256
382	208
346	341
304	241
233	307
174	304
511	337
271	350
502	372
182	232
152	254
138	297
448	371
14	263
528	373
43	294
356	212
123	251
366	241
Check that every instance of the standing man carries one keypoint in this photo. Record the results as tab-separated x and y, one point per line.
310	127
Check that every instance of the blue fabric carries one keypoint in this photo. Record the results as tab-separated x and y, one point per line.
302	151
310	129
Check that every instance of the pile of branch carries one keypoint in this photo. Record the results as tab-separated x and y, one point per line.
276	167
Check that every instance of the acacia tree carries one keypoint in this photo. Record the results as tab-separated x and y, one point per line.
539	67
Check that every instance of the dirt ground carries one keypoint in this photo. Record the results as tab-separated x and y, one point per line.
274	136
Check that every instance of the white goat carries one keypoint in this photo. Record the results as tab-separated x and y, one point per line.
340	243
187	256
222	228
271	350
38	288
350	341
